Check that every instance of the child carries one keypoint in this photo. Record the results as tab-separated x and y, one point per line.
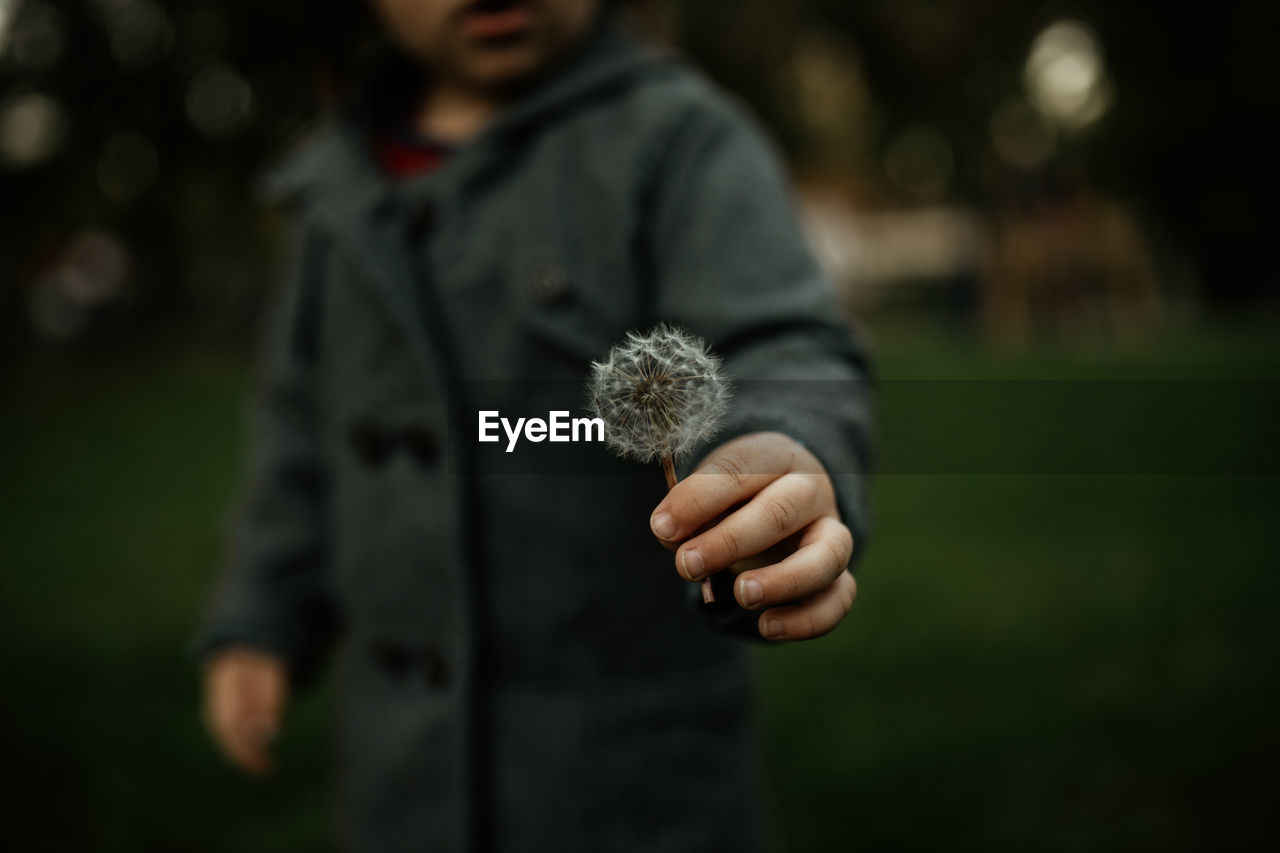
518	672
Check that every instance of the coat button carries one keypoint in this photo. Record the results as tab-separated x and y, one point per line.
422	445
435	669
371	441
422	218
402	662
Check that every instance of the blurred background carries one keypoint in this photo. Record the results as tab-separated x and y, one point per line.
1044	656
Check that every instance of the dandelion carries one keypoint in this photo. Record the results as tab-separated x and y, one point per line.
660	395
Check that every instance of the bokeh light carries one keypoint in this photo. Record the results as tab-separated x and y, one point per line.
8	10
1065	74
138	30
826	82
33	127
36	37
92	270
219	101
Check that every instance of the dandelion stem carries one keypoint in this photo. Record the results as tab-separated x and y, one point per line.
660	395
669	469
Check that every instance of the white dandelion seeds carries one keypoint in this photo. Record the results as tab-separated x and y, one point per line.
660	395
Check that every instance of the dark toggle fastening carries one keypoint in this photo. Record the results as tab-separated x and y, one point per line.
374	442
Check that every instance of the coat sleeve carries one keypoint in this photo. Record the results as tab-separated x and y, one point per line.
730	263
273	595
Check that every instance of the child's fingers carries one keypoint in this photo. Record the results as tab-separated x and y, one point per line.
249	739
812	617
245	695
730	475
247	751
823	554
242	733
783	507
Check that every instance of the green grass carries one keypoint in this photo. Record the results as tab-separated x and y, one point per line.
1035	662
1078	664
1043	662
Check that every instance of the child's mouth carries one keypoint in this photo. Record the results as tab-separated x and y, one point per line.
496	19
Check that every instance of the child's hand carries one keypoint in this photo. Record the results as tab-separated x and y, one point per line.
244	697
758	492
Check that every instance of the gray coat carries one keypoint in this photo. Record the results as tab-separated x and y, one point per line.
521	666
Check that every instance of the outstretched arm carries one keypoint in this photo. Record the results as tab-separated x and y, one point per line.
785	482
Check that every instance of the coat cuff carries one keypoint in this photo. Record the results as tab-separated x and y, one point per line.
303	664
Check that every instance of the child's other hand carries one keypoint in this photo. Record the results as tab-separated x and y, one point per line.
245	691
759	492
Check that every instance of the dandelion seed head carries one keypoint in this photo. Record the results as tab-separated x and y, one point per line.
659	394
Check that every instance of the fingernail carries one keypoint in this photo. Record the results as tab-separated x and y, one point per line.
773	629
750	592
693	564
664	526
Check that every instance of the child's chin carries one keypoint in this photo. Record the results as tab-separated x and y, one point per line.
500	70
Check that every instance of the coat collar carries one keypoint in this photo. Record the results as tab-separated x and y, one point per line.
336	179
